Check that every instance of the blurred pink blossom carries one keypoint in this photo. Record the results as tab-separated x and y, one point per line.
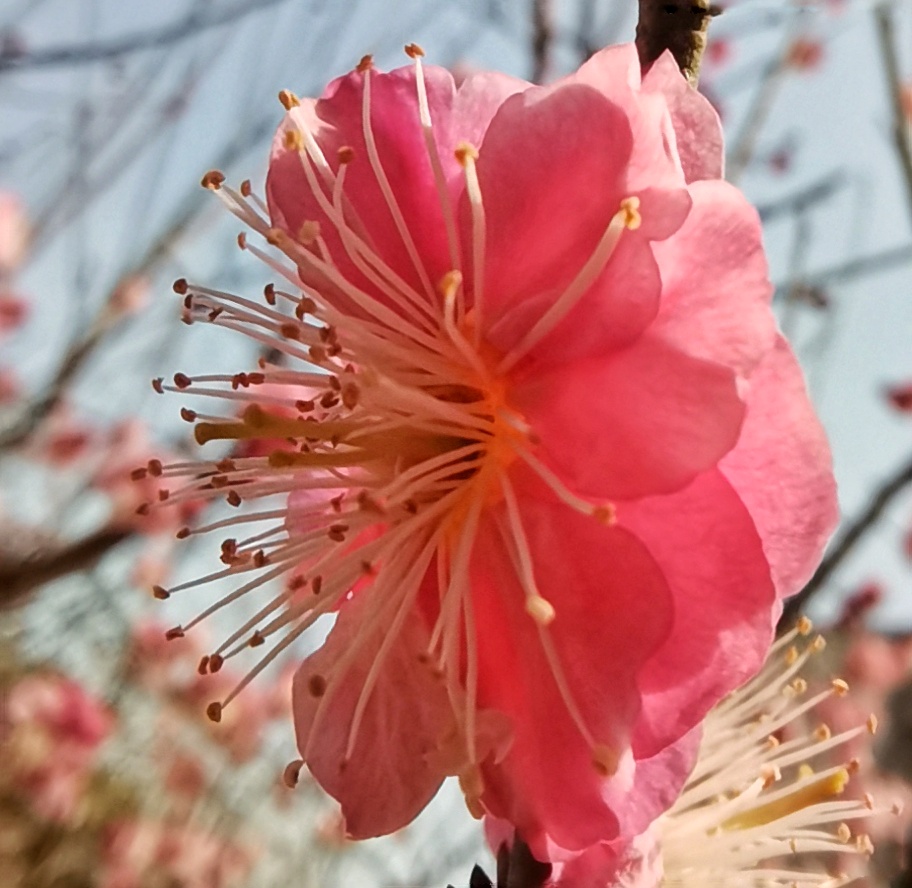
14	233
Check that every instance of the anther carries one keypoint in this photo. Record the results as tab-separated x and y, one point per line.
139	474
605	760
605	514
256	639
366	63
351	394
292	773
316	685
180	286
791	655
871	724
414	51
309	231
187	414
173	633
346	154
182	381
843	833
161	593
337	533
316	584
158	384
246	189
823	732
818	644
294	141
269	294
242	240
465	153
215	662
288	99
630	206
213	180
233	498
840	686
290	330
214	712
203	666
804	626
540	609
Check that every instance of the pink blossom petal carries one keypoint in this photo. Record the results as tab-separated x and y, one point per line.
705	543
782	470
541	223
643	421
696	123
389	778
593	575
716	289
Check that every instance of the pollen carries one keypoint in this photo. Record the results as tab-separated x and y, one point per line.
630	206
465	154
288	99
293	140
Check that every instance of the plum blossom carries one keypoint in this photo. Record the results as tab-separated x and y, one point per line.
536	442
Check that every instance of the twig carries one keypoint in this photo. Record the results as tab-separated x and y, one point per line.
542	35
20	579
676	25
883	16
847	539
189	26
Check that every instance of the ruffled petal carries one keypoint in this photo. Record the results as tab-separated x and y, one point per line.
391	774
705	543
537	170
613	609
782	470
644	421
697	127
716	289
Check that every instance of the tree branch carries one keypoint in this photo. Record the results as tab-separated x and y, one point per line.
846	540
677	25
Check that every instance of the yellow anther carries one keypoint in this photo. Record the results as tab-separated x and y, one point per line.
605	514
450	283
770	775
818	644
630	207
791	655
843	833
294	141
465	154
871	724
823	732
605	760
309	231
288	99
863	844
805	771
840	687
772	742
540	609
798	686
414	51
804	626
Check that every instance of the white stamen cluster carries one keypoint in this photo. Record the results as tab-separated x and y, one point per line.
755	812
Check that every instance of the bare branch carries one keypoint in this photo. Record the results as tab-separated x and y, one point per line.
846	540
542	35
189	26
677	25
883	16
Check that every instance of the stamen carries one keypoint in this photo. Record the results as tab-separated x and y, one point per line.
466	155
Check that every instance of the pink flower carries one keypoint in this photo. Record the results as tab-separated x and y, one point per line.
14	233
561	469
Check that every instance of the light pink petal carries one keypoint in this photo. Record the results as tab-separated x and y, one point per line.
612	612
538	167
696	123
705	543
782	470
644	421
716	289
389	778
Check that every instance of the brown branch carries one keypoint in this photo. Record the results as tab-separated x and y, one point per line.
847	539
19	579
883	16
676	25
542	35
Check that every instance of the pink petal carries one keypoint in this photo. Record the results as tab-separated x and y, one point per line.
696	123
389	777
646	420
612	612
705	543
537	170
716	289
782	470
